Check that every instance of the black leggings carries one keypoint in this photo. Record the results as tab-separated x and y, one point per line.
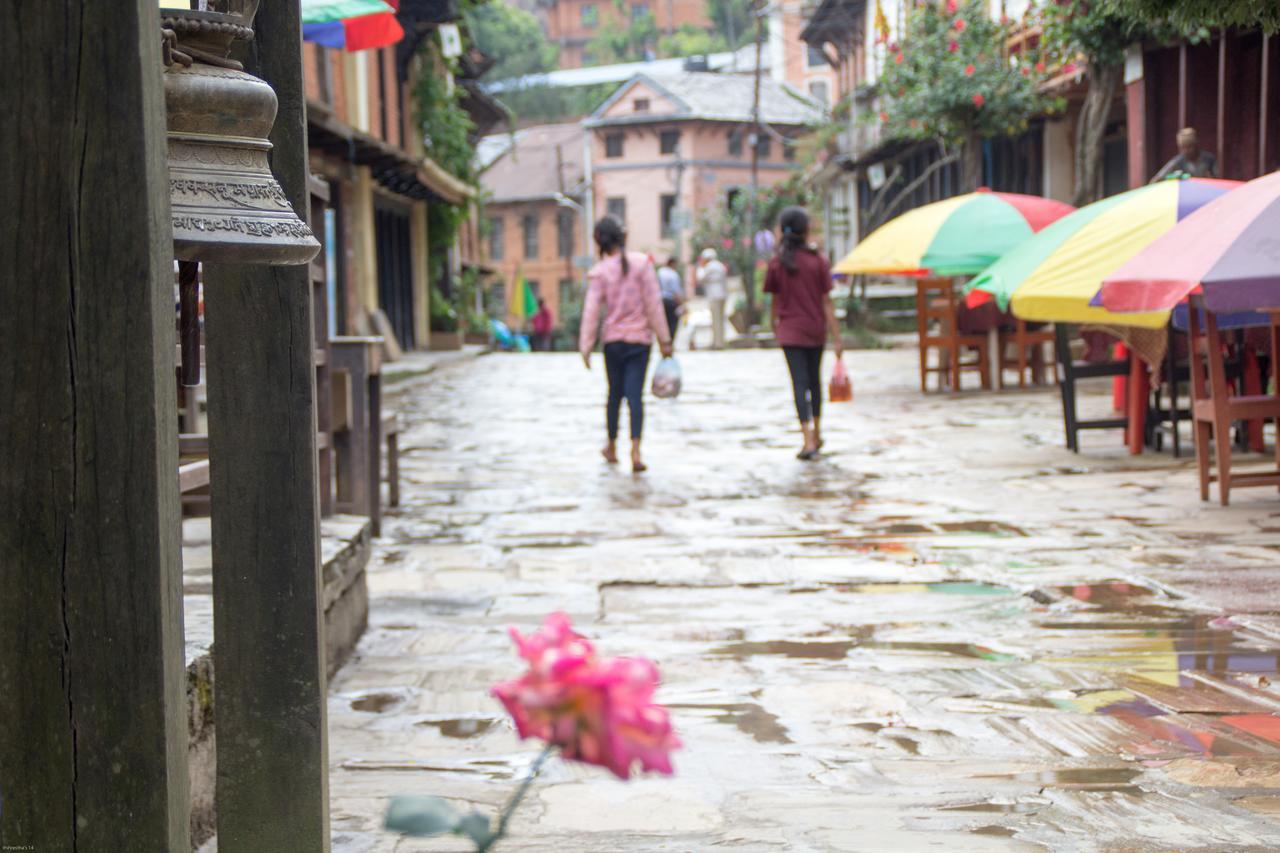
805	364
625	364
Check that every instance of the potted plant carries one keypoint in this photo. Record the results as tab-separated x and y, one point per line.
444	324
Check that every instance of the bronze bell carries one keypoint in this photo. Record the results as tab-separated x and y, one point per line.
227	206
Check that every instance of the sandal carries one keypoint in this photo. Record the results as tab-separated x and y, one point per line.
807	455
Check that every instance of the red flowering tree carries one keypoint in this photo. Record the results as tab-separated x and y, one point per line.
951	80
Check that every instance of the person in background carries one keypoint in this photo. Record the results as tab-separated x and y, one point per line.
713	278
800	281
672	289
623	287
1190	159
542	323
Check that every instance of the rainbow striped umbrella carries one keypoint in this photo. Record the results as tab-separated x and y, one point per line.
958	236
1230	248
1053	276
351	24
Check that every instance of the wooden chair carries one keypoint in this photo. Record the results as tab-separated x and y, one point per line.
1073	372
1028	354
936	328
1214	408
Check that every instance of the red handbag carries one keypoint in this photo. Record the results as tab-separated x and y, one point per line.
841	388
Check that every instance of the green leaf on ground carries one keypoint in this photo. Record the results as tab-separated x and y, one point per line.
422	816
476	827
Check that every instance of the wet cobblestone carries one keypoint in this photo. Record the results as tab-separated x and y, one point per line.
948	634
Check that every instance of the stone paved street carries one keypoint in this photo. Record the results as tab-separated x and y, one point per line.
949	634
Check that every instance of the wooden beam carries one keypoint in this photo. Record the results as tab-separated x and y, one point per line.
1221	128
1263	116
193	475
1182	85
93	733
272	749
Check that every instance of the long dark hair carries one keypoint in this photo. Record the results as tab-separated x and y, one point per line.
611	234
794	223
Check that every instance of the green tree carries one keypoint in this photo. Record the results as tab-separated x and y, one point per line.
1190	14
689	40
513	38
950	81
1099	34
733	20
625	38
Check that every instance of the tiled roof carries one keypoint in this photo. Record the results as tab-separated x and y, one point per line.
527	169
719	97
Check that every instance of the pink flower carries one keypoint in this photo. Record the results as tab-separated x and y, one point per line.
952	6
1069	68
953	46
727	243
968	70
1040	67
884	116
596	710
978	100
897	59
959	25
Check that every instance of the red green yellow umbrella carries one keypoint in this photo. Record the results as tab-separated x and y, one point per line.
1230	249
1055	275
958	236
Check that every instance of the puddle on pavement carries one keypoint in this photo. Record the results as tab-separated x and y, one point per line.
465	727
992	807
748	717
377	703
814	649
1119	779
968	650
939	587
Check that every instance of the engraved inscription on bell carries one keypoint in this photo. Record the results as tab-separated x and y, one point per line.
227	206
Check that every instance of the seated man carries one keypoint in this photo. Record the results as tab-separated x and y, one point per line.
1190	159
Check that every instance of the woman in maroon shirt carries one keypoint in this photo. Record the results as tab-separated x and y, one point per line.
800	281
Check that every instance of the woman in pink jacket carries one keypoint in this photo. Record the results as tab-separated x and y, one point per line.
624	287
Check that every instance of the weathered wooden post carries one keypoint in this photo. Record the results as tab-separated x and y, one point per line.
92	702
269	701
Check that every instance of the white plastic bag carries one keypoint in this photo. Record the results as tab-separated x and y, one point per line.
667	379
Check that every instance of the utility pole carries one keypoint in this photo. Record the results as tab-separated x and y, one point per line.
749	275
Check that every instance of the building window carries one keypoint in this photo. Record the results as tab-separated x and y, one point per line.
590	16
815	58
640	105
617	207
667	204
534	287
789	150
820	92
613	145
639	10
735	143
497	237
764	145
529	224
669	141
564	234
